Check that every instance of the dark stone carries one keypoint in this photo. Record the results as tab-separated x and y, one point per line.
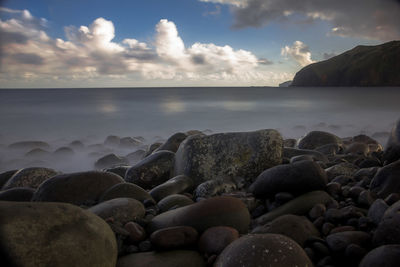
292	152
136	156
317	211
120	170
174	237
301	158
298	228
392	148
109	160
296	178
340	241
129	142
330	149
263	250
217	186
29	177
344	168
81	188
152	148
316	139
387	256
334	189
357	149
365	198
289	142
392	198
77	145
172	258
388	231
244	154
174	201
112	140
29	145
216	211
37	153
177	185
119	210
173	142
128	190
215	239
344	228
145	246
387	180
17	194
64	152
136	232
152	170
5	176
77	237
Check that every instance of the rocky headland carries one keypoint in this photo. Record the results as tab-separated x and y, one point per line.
361	66
198	199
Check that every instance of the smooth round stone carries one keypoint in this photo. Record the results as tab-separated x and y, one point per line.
298	228
344	168
152	148
263	250
136	232
173	258
296	178
121	210
112	140
392	148
120	170
17	194
316	139
126	190
387	256
215	239
365	198
129	142
177	185
174	201
289	152
77	145
357	149
64	152
291	142
37	153
5	176
29	177
81	188
216	211
54	234
152	170
109	160
174	237
387	180
334	189
317	211
136	156
339	241
173	142
376	211
388	231
301	157
392	198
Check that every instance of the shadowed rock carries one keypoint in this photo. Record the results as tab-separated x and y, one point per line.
387	180
17	194
29	177
172	142
174	201
388	256
176	185
29	145
5	176
316	139
126	190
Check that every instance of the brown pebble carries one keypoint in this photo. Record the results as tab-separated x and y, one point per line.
136	232
174	237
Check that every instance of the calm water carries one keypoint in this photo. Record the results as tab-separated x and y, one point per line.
62	115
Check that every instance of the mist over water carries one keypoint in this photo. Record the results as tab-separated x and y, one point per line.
60	116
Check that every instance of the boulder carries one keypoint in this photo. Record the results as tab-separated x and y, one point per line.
120	170
5	176
54	234
64	152
129	142
215	239
217	186
29	177
152	170
296	178
388	231
136	156
301	205
174	237
177	185
29	145
244	154
128	190
81	188
109	160
377	210
216	211
387	180
174	201
388	256
112	140
173	142
293	152
298	228
17	194
339	241
263	250
315	139
344	168
172	258
119	210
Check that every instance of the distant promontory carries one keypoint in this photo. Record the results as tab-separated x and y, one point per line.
361	66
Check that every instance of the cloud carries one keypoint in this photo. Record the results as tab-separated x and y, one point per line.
299	52
371	19
89	54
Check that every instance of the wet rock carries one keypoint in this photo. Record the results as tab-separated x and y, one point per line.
244	154
377	210
339	241
29	177
29	145
215	239
388	256
128	190
173	142
216	211
357	149
316	139
77	237
120	170
392	198
17	194
317	211
298	206
152	170
177	185
291	142
174	201
109	160
388	231
121	210
174	237
136	156
263	250
298	228
37	153
152	148
81	188
136	232
386	180
296	178
172	258
5	176
344	168
215	187
330	149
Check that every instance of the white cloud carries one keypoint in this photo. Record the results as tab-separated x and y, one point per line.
299	52
89	55
238	3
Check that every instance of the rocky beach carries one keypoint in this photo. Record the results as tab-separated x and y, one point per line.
204	199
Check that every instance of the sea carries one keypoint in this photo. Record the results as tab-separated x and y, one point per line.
60	116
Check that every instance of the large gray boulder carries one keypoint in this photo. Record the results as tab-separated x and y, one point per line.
29	177
388	231
54	234
81	188
316	139
243	154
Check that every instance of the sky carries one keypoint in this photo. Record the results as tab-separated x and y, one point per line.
157	43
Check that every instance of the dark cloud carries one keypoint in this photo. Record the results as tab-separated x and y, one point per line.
198	59
264	61
373	19
12	37
142	55
28	58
